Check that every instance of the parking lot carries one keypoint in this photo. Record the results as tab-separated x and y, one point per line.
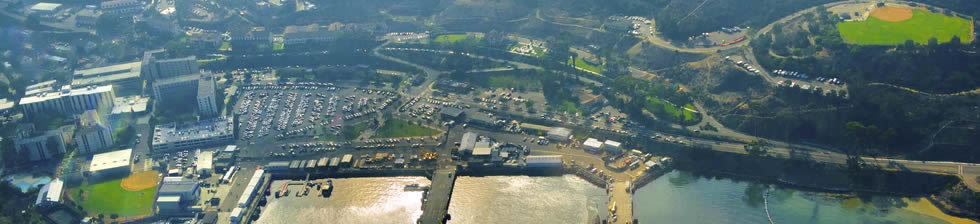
303	110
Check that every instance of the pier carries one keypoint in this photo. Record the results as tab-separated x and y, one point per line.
435	205
621	197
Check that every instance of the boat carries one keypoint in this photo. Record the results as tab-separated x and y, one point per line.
416	187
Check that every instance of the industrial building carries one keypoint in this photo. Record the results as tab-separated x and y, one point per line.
225	159
187	190
205	163
110	164
451	113
612	146
124	76
592	145
200	134
50	194
482	148
94	133
559	134
69	100
549	161
36	144
250	189
45	8
87	17
467	143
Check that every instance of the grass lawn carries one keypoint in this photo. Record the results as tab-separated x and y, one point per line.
581	64
395	128
675	112
351	132
110	198
450	38
513	81
225	46
568	106
922	26
278	45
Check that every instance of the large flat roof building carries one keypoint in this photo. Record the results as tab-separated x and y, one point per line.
70	100
45	8
115	163
205	163
592	145
6	106
200	134
125	75
155	67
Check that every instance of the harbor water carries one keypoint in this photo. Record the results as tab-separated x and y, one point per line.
353	200
683	197
676	197
523	199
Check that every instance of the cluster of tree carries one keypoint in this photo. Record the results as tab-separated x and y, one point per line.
444	62
874	119
15	205
681	19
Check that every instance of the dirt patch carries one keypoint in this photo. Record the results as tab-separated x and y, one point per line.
892	14
140	181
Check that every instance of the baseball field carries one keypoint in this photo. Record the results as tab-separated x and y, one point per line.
893	25
129	197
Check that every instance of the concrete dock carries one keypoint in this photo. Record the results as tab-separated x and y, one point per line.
623	199
436	205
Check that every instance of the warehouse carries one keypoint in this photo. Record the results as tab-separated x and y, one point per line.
205	162
559	134
592	145
549	161
612	146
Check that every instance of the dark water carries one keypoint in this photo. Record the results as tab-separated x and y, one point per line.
680	197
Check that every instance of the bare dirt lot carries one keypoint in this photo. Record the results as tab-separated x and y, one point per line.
892	14
140	181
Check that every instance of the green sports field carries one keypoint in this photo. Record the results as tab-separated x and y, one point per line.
450	38
922	26
395	128
110	198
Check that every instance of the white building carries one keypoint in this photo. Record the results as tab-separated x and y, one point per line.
612	146
110	164
45	8
50	194
467	143
218	131
250	189
205	161
69	100
6	106
592	145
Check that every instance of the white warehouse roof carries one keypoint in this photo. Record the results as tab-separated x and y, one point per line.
612	143
109	160
591	142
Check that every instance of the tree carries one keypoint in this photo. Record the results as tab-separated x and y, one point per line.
759	148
